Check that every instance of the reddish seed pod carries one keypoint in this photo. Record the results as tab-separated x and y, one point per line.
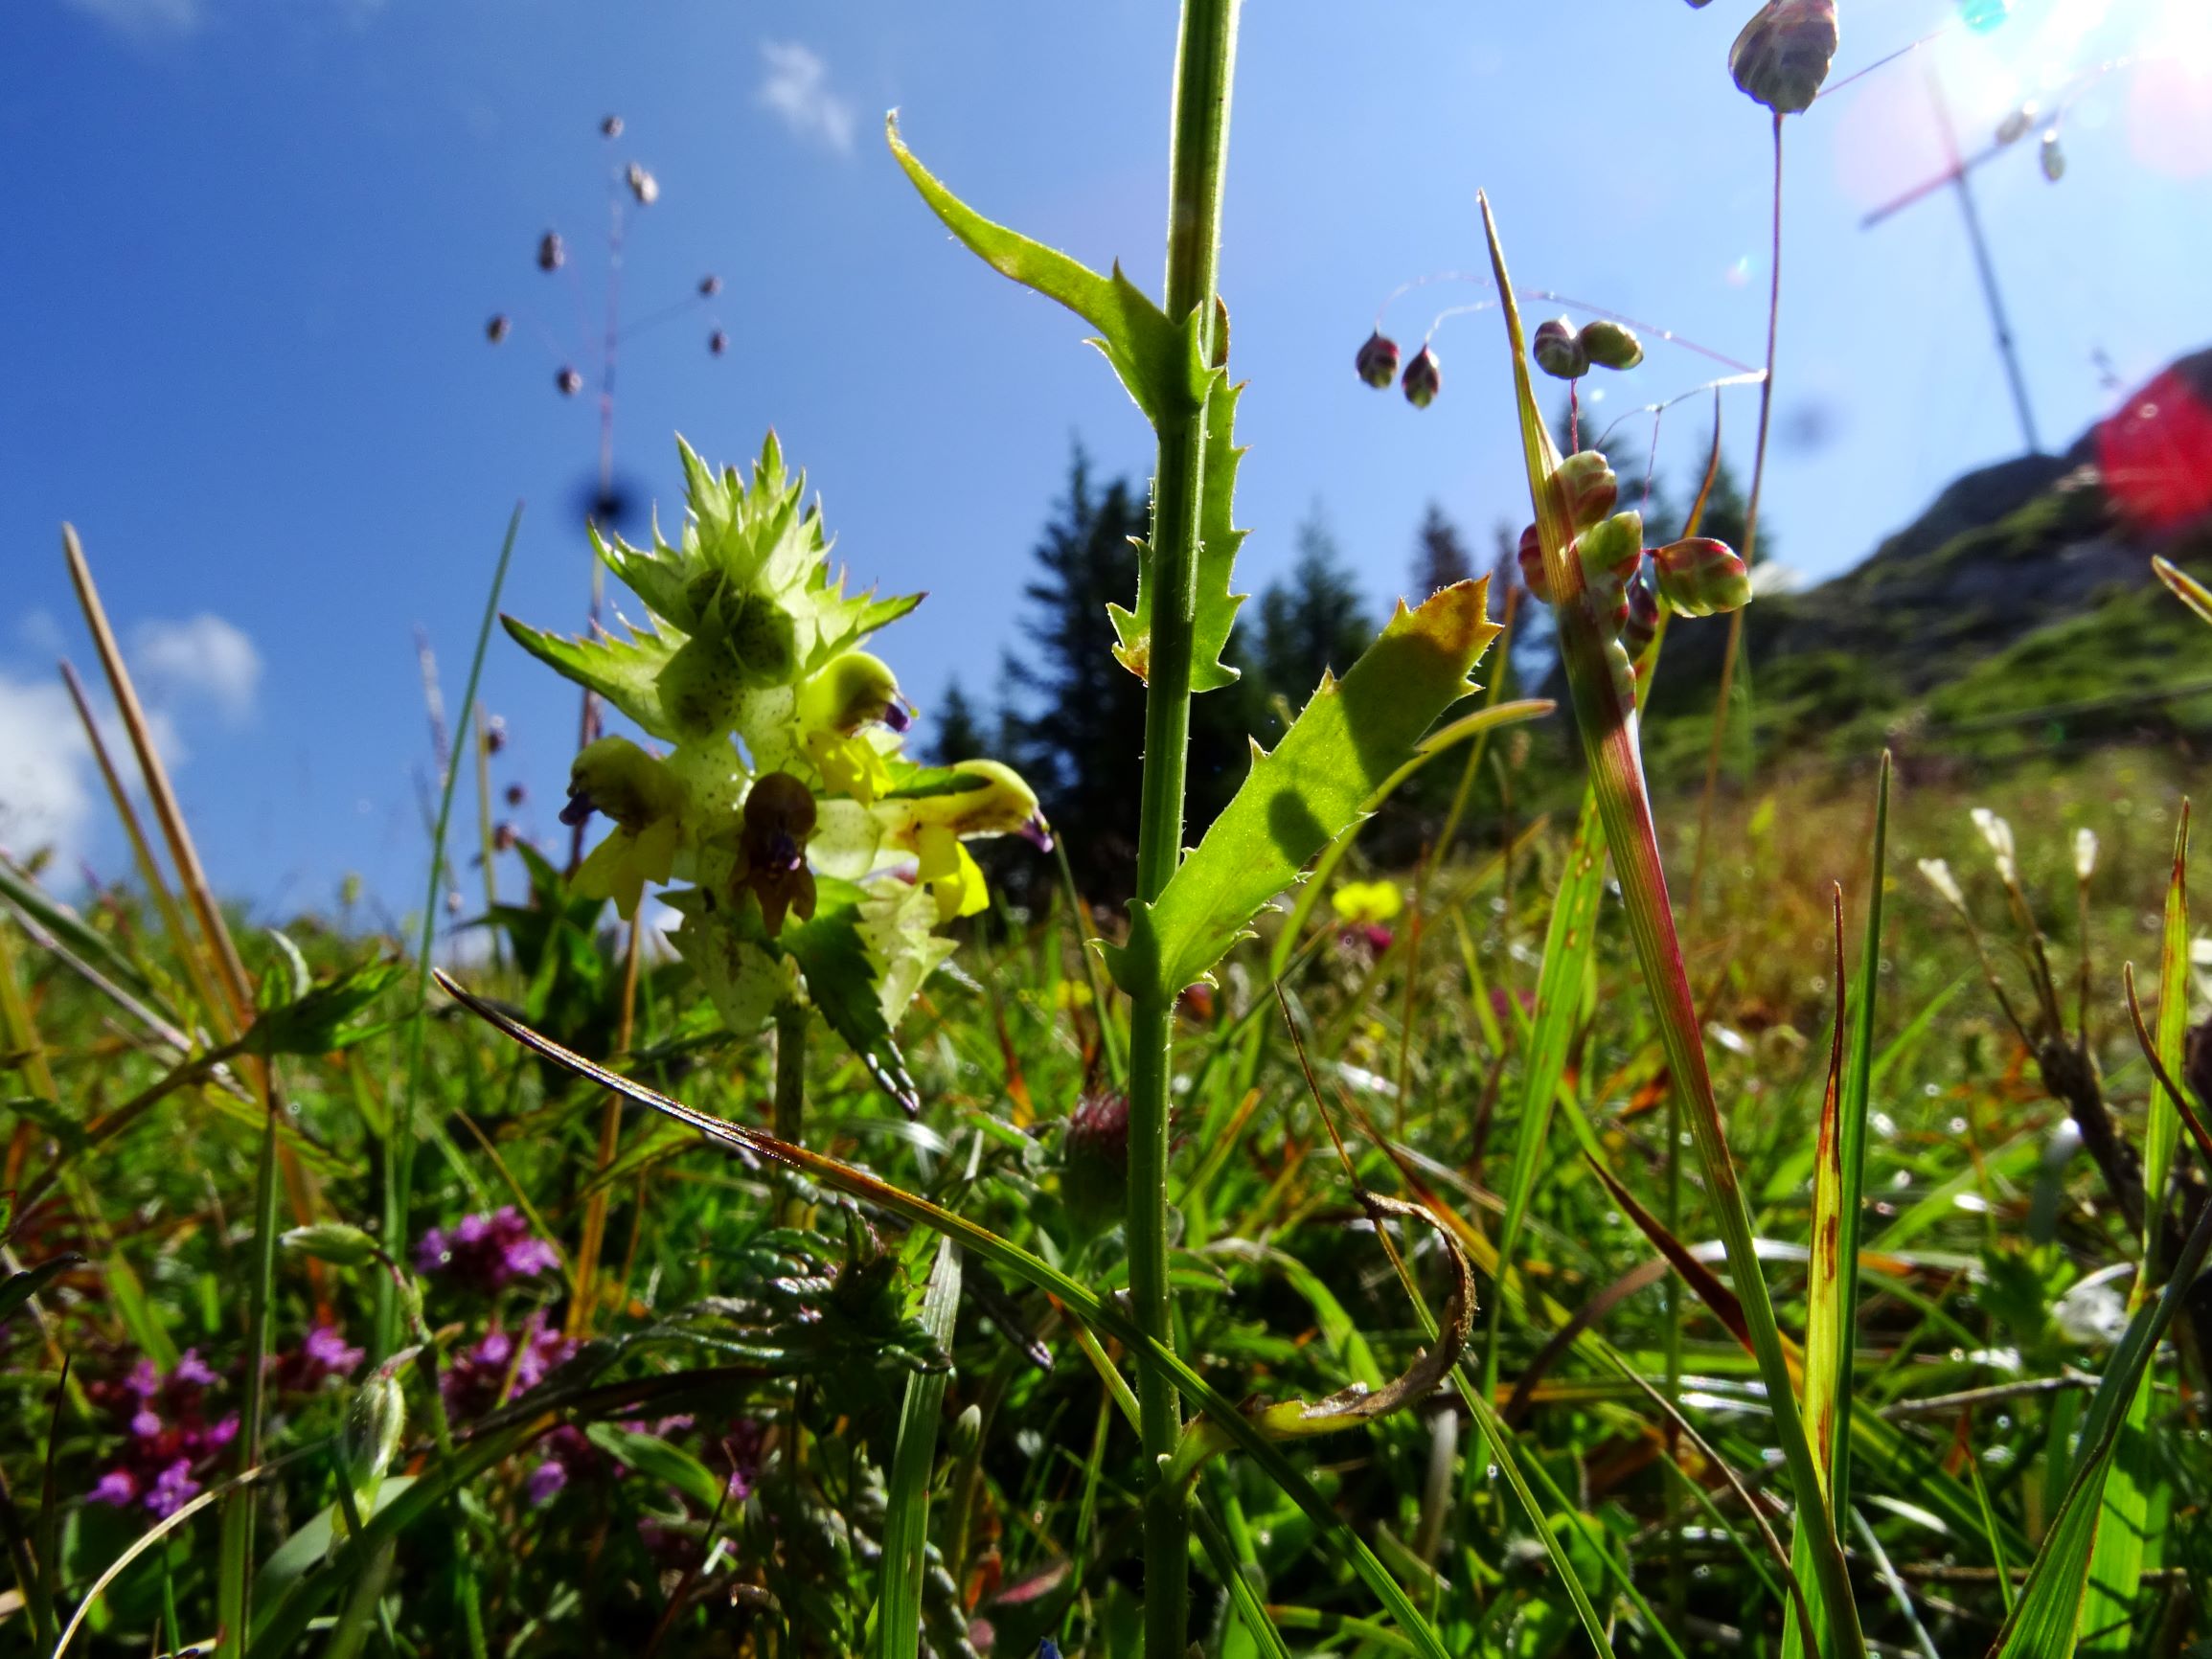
497	329
516	794
1587	489
552	253
1378	361
1422	379
1532	571
710	286
1700	577
718	342
1783	54
568	382
495	735
1558	350
611	127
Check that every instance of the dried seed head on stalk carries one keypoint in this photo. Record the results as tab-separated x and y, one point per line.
1782	57
1999	836
1424	378
552	252
1377	360
1558	350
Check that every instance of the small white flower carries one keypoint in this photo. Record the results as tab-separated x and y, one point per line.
1999	835
2084	853
1939	877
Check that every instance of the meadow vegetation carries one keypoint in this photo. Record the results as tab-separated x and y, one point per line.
1475	1197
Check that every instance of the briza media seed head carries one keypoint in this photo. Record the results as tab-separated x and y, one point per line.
1378	361
1558	349
1643	623
1612	345
2052	158
1782	57
1589	489
1424	378
552	252
568	382
1532	571
1699	576
498	329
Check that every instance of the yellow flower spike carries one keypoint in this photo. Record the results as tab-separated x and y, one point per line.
1366	903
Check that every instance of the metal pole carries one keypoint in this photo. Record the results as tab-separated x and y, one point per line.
1984	266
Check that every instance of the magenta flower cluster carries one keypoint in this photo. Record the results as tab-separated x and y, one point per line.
168	1440
502	1365
485	1252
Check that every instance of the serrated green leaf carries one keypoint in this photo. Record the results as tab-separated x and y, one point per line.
1219	543
831	950
625	672
1348	741
1152	356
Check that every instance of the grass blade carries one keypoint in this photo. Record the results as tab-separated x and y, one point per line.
907	1508
2048	1614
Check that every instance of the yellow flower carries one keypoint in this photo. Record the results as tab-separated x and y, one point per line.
1366	903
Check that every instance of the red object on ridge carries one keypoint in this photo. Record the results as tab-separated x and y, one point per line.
2155	453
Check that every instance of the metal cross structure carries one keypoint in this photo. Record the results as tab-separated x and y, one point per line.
1955	176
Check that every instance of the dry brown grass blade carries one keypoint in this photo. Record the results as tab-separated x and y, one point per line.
215	1008
229	968
1718	1298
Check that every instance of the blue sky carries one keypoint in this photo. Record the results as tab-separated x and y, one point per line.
254	244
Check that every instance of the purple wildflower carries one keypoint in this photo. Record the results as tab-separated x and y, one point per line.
485	1252
322	1354
502	1365
168	1440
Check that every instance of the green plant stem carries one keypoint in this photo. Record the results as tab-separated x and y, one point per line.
790	1104
399	1136
1204	59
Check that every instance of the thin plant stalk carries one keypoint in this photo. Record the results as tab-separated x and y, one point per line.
400	1140
1606	720
1205	57
480	732
1751	529
587	1251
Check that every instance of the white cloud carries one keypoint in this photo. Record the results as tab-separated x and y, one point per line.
45	773
51	795
797	89
202	659
144	22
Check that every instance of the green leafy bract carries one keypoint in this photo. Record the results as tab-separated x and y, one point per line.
1351	736
1219	542
1159	361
